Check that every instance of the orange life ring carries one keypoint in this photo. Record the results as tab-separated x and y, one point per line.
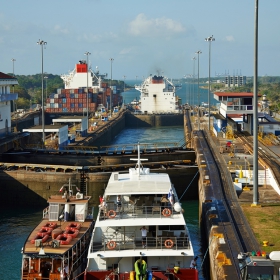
74	225
46	230
168	243
64	239
43	236
72	232
112	214
51	225
111	245
166	212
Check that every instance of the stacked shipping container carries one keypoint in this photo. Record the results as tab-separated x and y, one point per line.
75	100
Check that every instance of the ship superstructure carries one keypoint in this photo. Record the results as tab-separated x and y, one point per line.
158	95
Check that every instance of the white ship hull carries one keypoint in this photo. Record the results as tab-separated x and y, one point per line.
117	246
158	96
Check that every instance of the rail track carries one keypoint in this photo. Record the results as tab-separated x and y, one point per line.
221	196
266	157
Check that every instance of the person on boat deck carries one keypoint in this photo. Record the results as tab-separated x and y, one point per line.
100	199
103	206
119	202
163	201
144	236
193	263
65	272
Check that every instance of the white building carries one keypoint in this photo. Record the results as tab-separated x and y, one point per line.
235	81
6	81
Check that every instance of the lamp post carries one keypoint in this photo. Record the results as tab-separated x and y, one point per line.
209	39
124	89
87	54
46	78
13	60
42	44
198	53
111	59
193	80
255	111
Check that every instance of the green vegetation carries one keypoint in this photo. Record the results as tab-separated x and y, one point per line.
264	222
30	88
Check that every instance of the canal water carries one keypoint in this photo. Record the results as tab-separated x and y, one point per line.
17	223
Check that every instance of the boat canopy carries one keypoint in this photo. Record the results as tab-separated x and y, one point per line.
129	184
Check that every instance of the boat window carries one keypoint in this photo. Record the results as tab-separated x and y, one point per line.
53	212
171	228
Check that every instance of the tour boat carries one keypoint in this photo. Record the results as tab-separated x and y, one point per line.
57	246
157	95
118	250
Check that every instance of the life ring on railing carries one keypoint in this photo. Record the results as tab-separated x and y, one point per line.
166	212
111	245
168	243
112	214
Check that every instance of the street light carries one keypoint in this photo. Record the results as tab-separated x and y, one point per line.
124	89
255	110
46	78
13	60
193	80
42	44
198	53
111	59
209	39
87	54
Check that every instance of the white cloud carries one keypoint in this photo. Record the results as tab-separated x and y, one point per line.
230	38
59	29
125	51
157	27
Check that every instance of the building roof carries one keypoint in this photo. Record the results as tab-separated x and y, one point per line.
235	94
4	76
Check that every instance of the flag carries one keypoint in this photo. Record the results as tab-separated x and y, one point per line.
171	196
61	189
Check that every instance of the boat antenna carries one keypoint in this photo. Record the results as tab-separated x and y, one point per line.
138	159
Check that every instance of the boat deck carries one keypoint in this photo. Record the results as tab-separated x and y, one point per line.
30	248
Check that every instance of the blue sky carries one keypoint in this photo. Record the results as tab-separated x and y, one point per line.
143	36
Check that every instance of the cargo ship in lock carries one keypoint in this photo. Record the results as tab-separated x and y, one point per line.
83	88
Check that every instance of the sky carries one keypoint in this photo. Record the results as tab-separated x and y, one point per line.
143	37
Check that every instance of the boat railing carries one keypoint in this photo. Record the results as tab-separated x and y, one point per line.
120	242
130	211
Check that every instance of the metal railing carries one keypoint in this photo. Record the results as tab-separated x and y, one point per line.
120	242
130	211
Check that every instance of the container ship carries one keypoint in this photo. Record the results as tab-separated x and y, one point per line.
83	88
